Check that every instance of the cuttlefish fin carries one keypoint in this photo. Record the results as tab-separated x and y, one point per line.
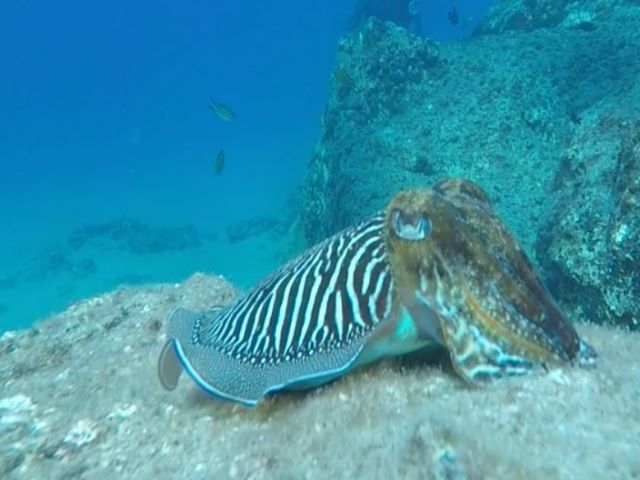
169	367
169	364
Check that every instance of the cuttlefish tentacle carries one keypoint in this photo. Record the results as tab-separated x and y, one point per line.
494	314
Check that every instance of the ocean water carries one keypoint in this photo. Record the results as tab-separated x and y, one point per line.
105	128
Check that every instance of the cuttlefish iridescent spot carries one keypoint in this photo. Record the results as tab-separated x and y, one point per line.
467	284
436	267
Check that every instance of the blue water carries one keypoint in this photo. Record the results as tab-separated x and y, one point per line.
104	115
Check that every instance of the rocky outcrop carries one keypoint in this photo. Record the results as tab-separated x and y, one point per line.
591	247
529	15
510	111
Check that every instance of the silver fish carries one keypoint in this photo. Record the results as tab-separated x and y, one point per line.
223	111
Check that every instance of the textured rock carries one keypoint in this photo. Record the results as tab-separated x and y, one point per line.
509	111
471	114
528	15
591	247
80	399
522	16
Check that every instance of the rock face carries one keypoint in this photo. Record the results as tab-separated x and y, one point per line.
591	245
80	399
529	15
526	114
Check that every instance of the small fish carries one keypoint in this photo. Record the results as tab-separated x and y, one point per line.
343	77
453	15
218	164
222	111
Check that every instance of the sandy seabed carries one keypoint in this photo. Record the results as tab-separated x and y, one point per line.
80	399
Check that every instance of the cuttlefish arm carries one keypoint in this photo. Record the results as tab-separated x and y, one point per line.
468	285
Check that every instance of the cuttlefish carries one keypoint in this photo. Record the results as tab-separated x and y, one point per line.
436	267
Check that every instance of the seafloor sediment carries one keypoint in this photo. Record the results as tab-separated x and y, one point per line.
79	399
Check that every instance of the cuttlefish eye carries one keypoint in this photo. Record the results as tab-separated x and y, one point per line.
410	227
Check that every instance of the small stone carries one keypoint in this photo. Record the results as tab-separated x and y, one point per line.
122	411
16	409
82	433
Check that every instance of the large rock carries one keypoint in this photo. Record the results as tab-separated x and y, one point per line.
529	15
591	248
508	111
482	110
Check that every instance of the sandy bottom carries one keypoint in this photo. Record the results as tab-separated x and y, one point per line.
79	399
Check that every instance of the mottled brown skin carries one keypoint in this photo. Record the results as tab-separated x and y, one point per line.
470	276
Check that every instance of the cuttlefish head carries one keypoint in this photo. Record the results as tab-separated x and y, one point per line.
468	285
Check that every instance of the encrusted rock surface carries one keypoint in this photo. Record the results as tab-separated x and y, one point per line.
591	247
79	399
517	112
528	15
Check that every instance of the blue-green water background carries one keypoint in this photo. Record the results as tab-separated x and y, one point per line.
104	115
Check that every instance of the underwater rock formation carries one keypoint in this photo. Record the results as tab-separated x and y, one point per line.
527	15
55	261
404	13
137	237
434	112
591	247
503	110
80	399
253	227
